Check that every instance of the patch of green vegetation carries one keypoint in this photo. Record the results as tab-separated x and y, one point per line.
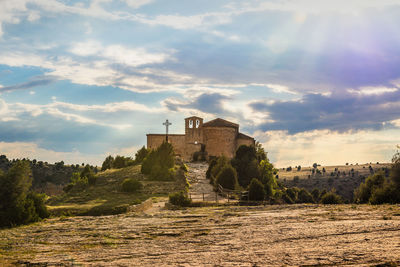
106	197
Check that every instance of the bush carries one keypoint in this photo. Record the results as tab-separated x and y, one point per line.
246	164
131	185
211	165
287	198
268	178
39	203
141	155
179	199
221	163
304	197
17	204
364	192
158	163
107	163
331	198
227	178
292	193
256	190
316	195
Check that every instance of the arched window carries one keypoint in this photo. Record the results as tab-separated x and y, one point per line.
190	124
197	123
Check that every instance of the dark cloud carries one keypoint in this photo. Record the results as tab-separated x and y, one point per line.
338	112
28	85
209	103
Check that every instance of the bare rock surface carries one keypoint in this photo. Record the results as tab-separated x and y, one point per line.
209	236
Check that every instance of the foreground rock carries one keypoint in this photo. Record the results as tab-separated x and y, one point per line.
245	236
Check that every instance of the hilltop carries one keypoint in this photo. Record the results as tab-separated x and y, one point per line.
47	178
342	178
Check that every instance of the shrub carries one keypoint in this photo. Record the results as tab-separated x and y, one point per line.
227	177
221	163
304	196
107	163
363	193
141	155
287	198
292	193
256	190
39	204
131	185
268	179
316	195
17	204
179	199
246	164
158	163
331	198
211	165
296	179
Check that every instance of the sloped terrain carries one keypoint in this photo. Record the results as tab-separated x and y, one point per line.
106	196
224	236
342	178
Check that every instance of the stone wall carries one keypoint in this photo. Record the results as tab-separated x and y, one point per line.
220	141
176	140
242	141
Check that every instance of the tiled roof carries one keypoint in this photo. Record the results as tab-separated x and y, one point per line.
243	136
220	123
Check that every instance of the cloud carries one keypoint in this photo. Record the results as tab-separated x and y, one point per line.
82	114
41	81
337	111
137	3
31	150
118	53
371	90
328	147
206	103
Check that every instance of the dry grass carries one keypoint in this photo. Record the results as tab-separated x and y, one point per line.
224	236
106	197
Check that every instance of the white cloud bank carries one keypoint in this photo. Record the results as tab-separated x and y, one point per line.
328	148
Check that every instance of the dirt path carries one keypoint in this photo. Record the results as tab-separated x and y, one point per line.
200	187
290	235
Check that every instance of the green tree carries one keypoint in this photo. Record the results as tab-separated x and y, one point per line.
363	193
227	177
260	152
256	190
141	154
221	163
331	198
304	196
107	163
17	204
211	165
268	179
159	163
246	164
89	175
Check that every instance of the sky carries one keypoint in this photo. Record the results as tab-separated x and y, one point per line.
312	80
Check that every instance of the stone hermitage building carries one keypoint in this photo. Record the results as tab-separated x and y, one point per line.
216	138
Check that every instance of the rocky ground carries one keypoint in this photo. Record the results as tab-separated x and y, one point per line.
222	236
200	188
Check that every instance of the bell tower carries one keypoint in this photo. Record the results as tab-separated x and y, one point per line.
194	130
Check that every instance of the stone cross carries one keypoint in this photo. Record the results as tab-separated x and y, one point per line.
167	124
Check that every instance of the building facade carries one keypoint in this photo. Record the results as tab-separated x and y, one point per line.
216	138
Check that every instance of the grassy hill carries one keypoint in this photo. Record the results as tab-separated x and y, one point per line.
343	178
106	196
